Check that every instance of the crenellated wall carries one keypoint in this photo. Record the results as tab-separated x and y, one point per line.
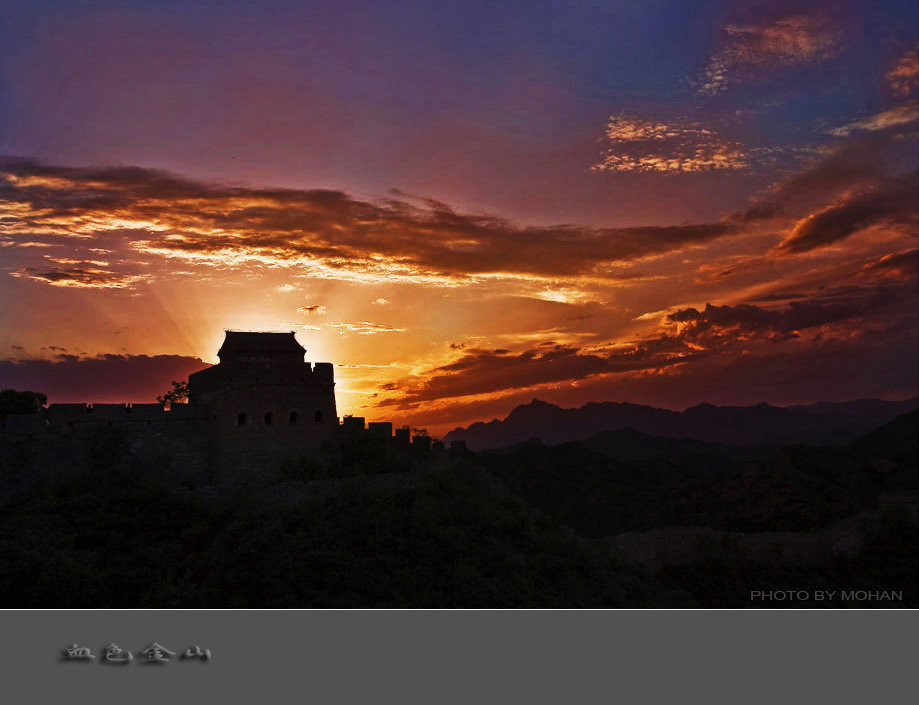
68	438
261	406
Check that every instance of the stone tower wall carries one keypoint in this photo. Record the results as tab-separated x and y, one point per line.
265	407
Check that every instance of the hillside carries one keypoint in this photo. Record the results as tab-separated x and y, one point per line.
527	527
795	488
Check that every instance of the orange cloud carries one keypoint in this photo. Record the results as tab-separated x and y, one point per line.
891	203
896	265
686	340
748	49
903	78
486	371
728	326
894	117
638	144
324	234
517	323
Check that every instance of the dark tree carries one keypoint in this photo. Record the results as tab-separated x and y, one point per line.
25	402
177	395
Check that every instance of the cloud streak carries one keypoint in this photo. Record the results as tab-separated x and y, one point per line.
364	328
481	371
324	234
907	114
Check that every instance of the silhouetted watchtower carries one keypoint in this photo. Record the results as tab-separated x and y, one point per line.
266	402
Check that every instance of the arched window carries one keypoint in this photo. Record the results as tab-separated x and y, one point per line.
318	417
269	418
242	419
294	417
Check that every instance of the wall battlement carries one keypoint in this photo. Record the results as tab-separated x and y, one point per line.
59	415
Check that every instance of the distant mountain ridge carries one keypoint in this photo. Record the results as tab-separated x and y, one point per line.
823	423
621	481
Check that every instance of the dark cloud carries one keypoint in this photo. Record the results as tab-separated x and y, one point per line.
327	234
485	371
879	365
849	188
761	211
831	368
892	202
167	215
104	378
729	325
707	273
688	338
79	277
312	309
781	296
853	165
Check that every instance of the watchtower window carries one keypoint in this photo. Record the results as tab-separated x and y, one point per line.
318	417
269	418
294	417
242	419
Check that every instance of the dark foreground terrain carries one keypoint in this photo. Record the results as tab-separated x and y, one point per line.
528	526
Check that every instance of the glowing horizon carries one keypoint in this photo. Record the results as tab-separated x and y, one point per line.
576	215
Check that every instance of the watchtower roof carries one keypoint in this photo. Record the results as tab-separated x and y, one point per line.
238	342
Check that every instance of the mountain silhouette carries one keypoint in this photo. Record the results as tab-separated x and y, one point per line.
896	440
825	423
615	483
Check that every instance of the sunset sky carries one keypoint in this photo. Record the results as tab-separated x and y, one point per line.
464	205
